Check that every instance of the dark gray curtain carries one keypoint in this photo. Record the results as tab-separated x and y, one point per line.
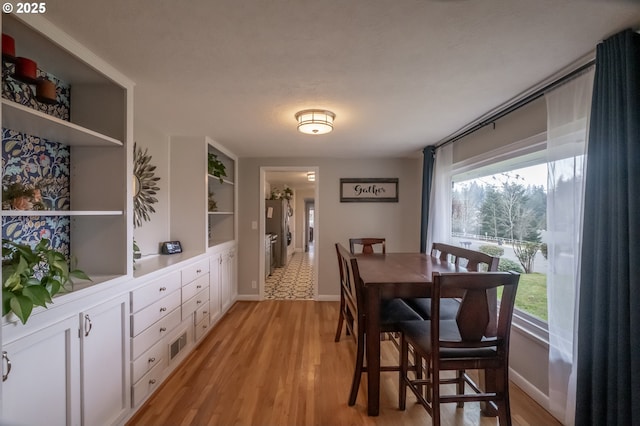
608	382
429	154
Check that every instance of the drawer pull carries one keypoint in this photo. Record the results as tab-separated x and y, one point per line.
204	326
5	358
162	329
163	289
198	286
198	302
163	309
152	359
152	381
198	271
87	325
204	312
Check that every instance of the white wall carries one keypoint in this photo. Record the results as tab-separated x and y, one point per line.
398	222
157	229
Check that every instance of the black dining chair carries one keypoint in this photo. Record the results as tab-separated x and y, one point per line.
464	343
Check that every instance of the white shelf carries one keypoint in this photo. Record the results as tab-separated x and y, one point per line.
15	213
221	213
27	120
228	182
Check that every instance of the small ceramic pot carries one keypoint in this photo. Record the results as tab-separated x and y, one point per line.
46	91
8	47
26	70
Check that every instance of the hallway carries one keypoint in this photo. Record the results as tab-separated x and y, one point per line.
292	282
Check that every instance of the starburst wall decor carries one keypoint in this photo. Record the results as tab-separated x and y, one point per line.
145	186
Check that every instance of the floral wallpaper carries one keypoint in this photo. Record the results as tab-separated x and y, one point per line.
25	94
37	163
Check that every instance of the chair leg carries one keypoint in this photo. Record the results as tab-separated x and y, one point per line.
357	374
402	374
340	319
460	387
504	407
435	396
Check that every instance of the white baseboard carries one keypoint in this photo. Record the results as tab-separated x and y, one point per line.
248	297
328	298
536	394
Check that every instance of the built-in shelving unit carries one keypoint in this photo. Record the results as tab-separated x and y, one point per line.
192	222
99	136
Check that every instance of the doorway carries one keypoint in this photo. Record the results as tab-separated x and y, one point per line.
289	233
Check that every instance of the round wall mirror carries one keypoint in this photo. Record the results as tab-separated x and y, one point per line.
144	186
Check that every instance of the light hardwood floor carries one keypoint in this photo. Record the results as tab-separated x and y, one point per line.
275	363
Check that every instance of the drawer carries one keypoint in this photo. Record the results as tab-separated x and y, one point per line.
147	384
145	362
202	327
191	305
152	313
142	342
195	286
202	312
154	291
194	271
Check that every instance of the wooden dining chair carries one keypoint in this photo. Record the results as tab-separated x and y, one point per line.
368	245
367	248
391	313
464	343
471	260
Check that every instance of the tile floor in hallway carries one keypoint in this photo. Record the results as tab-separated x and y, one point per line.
292	282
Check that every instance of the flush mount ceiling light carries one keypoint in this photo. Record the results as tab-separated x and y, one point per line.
315	121
311	176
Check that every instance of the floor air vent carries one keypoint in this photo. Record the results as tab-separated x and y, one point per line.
177	345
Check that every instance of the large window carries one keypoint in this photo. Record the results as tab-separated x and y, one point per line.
500	209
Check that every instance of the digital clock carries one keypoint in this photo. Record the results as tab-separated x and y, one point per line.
171	247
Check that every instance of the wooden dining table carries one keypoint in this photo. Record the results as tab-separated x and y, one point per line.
388	276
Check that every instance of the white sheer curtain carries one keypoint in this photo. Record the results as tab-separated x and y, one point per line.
439	226
568	108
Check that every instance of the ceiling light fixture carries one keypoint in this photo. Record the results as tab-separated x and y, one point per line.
315	121
311	176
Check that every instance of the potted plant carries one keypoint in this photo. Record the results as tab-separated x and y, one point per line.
32	276
216	167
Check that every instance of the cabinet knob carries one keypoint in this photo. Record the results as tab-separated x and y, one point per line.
7	361
162	329
205	312
198	271
204	326
163	309
198	302
152	359
163	289
152	381
198	286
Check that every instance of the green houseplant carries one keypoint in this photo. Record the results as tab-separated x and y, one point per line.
32	276
215	167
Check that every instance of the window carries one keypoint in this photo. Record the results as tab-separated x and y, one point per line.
499	207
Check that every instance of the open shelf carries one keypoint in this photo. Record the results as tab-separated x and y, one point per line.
17	213
224	180
27	120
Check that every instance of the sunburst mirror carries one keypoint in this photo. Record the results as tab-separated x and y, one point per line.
144	186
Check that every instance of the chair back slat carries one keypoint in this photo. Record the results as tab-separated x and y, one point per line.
367	245
472	260
350	281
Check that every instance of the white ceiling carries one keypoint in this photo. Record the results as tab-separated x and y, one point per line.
398	74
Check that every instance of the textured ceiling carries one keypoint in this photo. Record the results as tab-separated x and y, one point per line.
399	74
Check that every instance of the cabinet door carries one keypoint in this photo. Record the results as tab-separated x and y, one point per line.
43	384
104	349
228	278
214	287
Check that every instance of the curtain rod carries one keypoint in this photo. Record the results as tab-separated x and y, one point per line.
520	101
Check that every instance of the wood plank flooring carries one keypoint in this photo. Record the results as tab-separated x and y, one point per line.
275	363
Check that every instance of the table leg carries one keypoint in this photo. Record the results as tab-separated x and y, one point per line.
372	339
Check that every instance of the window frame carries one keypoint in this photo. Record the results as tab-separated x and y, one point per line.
522	153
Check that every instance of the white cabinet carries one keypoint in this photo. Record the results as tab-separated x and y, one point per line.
105	360
196	222
223	279
42	384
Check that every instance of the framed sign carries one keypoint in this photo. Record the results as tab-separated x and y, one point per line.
369	190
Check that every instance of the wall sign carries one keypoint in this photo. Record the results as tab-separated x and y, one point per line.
369	190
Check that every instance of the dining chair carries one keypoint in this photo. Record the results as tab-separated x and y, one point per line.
367	245
391	313
464	343
367	248
471	260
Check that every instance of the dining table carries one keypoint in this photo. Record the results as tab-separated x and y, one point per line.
389	276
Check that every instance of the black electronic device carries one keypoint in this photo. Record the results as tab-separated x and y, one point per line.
171	247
